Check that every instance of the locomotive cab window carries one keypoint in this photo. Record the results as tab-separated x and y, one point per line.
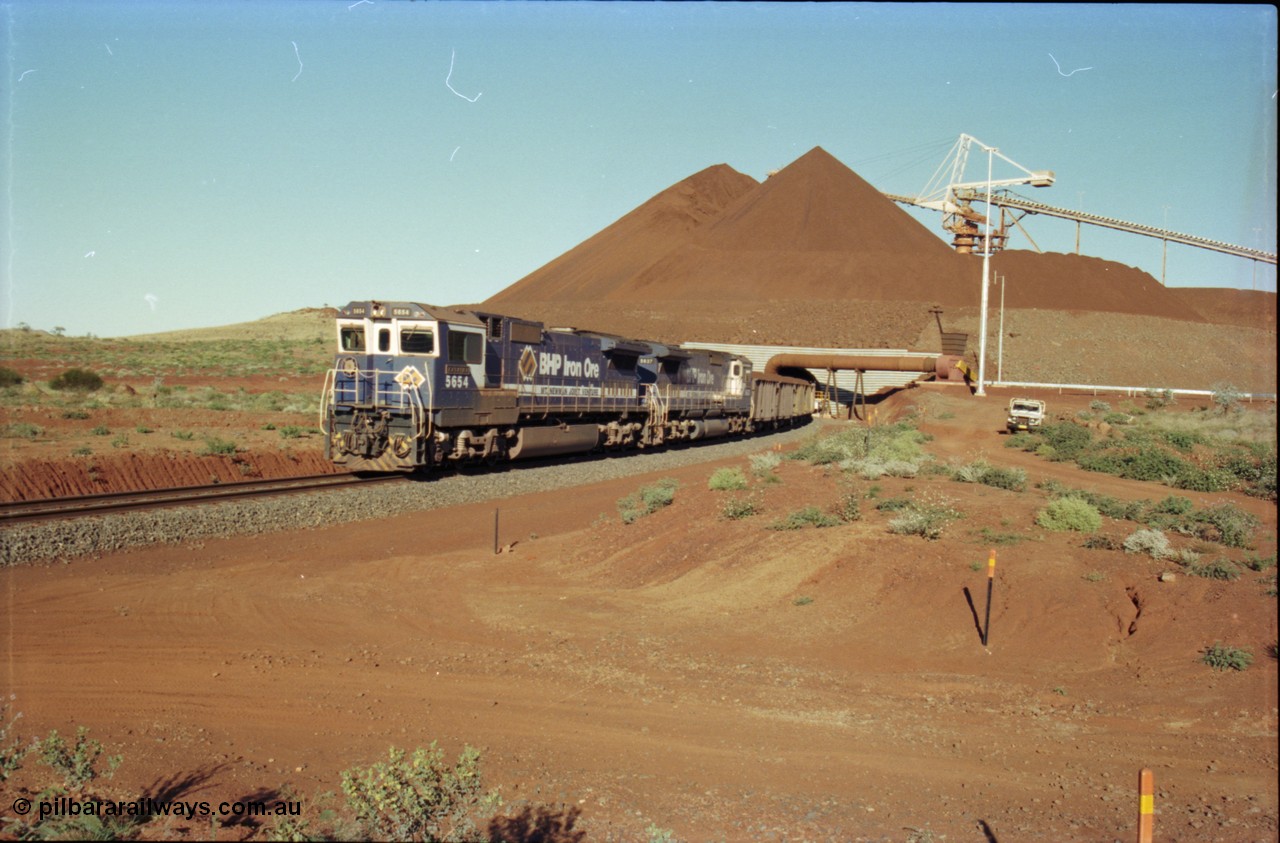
417	340
351	338
465	347
384	339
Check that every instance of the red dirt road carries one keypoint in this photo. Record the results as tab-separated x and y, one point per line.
667	673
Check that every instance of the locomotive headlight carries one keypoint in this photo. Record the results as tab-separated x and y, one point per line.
349	367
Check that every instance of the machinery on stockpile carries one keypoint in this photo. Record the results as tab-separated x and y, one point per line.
415	386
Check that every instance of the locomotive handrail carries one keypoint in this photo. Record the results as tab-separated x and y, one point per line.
326	391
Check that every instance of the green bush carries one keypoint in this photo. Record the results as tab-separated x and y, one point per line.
79	380
419	798
1174	505
926	519
1070	513
1067	440
1220	657
9	377
1220	569
647	500
1182	440
810	516
735	509
22	430
1099	405
1227	524
727	480
213	446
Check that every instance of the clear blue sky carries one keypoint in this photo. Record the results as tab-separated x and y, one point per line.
181	164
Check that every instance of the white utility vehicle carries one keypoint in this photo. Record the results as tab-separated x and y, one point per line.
1025	414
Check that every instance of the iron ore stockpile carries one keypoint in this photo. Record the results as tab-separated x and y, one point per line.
104	534
816	256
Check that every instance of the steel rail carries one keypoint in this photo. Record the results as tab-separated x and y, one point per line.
78	506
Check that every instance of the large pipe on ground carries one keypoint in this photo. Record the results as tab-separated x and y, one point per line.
941	366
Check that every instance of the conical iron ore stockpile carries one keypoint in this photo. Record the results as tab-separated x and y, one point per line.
814	255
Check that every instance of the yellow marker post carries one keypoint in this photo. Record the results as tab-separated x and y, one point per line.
991	578
1146	806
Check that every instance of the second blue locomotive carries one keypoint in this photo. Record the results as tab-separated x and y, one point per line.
415	386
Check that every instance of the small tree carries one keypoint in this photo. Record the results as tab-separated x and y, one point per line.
1227	397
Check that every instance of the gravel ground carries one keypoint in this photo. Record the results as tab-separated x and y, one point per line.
63	540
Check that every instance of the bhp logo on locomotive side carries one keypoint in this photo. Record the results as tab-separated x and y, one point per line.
551	363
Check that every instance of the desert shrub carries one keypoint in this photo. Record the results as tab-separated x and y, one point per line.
1221	657
884	443
810	516
1219	569
1099	405
849	507
1197	479
9	377
290	431
76	764
79	380
213	446
762	464
1151	464
1182	440
1174	505
735	509
1067	440
1003	477
1070	514
893	504
75	414
21	430
185	435
727	480
925	518
1158	399
419	798
1118	418
1227	524
1260	563
981	471
1152	542
1023	439
648	500
1099	542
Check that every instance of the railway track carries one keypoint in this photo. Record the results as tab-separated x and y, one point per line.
20	512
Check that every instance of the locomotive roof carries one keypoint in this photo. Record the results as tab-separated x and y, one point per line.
378	309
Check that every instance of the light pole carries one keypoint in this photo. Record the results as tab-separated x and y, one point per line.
986	275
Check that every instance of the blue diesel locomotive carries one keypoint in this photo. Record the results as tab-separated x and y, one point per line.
415	386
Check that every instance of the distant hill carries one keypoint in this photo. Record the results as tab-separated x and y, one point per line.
306	324
815	230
